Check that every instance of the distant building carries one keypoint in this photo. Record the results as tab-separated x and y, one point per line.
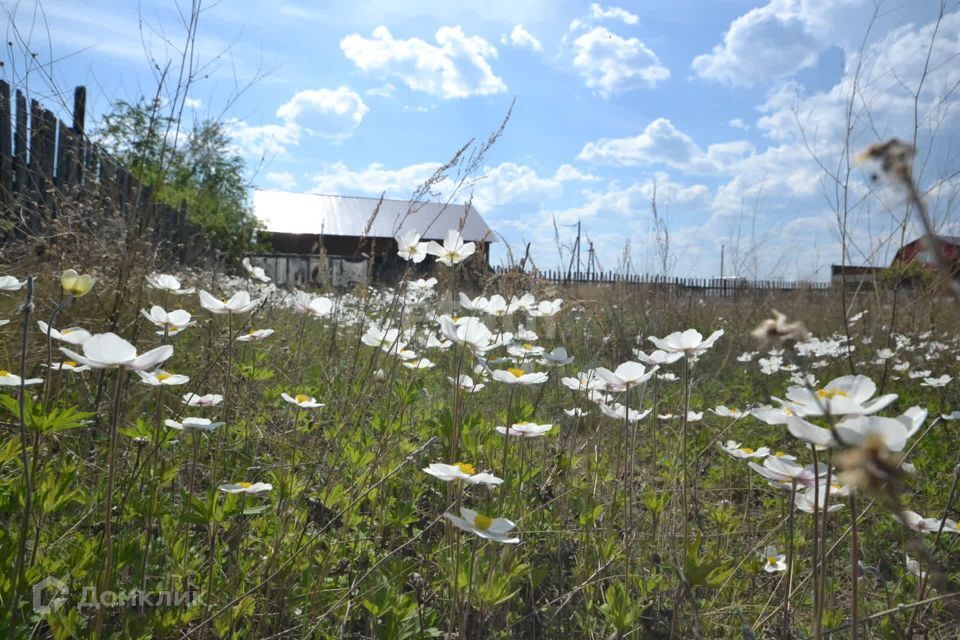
855	277
917	250
357	244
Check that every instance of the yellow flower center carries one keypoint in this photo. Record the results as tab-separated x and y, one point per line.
779	454
831	393
245	485
466	468
746	450
732	409
69	363
301	397
66	332
251	332
4	373
516	372
527	346
164	376
482	522
772	559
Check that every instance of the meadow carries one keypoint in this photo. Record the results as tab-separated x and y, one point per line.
194	454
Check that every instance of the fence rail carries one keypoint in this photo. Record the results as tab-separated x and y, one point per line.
46	163
705	286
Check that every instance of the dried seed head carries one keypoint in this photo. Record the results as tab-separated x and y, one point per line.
777	330
895	158
872	468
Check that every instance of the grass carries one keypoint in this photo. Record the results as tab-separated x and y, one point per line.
352	540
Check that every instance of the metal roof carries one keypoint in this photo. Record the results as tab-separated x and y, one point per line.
316	214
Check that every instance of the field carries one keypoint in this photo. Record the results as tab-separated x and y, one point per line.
330	479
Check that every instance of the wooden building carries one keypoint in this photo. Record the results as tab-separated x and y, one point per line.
352	236
917	250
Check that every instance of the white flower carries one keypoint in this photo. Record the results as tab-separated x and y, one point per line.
461	471
496	529
193	424
256	273
585	381
161	377
689	342
302	400
419	363
168	283
526	429
239	302
657	357
433	342
71	335
8	379
805	500
473	304
422	286
728	412
172	322
854	430
313	306
626	376
942	381
378	337
620	412
496	306
246	487
208	400
108	350
918	523
254	335
557	358
735	449
783	472
469	331
9	283
410	248
69	365
466	383
453	250
576	412
525	350
524	303
545	308
514	375
913	568
775	561
844	396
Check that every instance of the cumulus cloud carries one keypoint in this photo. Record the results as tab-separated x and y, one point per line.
458	66
597	12
509	182
612	64
660	143
522	39
328	113
282	179
261	140
374	179
382	91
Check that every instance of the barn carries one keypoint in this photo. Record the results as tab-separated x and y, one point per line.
917	250
352	237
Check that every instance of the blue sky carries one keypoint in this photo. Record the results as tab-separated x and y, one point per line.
735	110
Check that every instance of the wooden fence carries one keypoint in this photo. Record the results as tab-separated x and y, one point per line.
47	164
700	286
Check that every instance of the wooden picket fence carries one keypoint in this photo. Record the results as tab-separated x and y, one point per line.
46	164
698	286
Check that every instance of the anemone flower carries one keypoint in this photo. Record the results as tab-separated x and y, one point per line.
8	379
255	335
196	425
240	302
410	248
161	377
916	522
302	400
496	529
626	376
854	430
525	350
171	322
70	335
845	395
69	365
313	306
545	308
785	472
376	336
108	351
167	283
775	561
620	412
514	375
557	358
735	449
690	342
461	471
10	283
815	500
421	286
524	303
526	429
453	250
466	383
473	304
497	306
584	381
255	272
207	400
468	331
75	284
250	488
657	357
728	412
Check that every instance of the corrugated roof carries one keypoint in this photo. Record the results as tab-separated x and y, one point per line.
312	213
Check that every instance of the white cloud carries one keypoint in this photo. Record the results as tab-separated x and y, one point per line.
509	182
375	179
597	12
328	113
521	38
738	123
260	140
458	66
193	103
382	91
613	64
660	143
282	179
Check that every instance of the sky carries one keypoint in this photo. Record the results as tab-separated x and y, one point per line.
740	119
